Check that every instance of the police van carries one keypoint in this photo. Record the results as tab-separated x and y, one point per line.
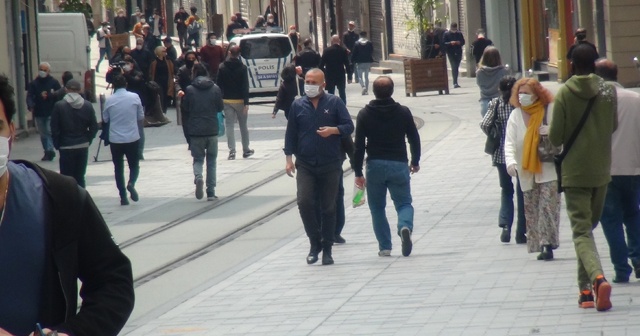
265	55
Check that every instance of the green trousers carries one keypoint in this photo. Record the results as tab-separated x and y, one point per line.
584	207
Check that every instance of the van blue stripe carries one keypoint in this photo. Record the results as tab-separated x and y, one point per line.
257	74
249	71
278	72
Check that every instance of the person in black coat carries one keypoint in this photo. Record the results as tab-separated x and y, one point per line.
349	39
142	57
479	45
453	42
180	19
40	100
121	22
308	58
431	45
335	63
288	91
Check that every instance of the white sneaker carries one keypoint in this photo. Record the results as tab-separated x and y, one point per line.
384	253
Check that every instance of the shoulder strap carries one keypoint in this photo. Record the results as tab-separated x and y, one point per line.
573	137
495	112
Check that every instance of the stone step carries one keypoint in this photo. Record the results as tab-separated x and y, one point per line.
395	65
380	70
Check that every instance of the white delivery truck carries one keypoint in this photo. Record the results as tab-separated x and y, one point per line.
64	43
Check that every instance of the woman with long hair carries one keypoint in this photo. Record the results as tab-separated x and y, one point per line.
538	179
488	75
162	71
500	109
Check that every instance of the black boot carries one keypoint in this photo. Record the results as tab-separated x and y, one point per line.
505	236
546	254
312	258
326	254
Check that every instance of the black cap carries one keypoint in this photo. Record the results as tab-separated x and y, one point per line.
73	85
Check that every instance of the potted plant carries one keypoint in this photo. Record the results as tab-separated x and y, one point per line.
429	73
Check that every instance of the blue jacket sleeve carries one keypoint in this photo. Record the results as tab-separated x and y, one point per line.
291	134
345	124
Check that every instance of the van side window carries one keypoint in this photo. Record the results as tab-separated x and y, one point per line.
265	47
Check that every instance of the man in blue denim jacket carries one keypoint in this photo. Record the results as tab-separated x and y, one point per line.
316	124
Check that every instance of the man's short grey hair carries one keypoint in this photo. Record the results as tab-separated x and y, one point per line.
45	64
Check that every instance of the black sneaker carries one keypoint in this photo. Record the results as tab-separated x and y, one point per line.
199	185
339	240
248	153
505	236
636	269
407	245
232	156
211	197
585	300
133	192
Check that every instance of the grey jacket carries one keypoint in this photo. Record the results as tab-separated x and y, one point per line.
488	79
201	103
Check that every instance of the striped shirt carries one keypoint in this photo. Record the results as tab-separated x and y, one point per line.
503	109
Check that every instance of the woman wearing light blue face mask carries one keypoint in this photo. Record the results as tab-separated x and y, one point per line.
537	179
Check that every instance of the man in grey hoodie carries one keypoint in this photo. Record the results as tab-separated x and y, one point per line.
73	127
200	106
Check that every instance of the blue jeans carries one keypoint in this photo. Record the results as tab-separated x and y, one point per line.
505	216
43	125
103	52
454	61
484	105
195	39
394	176
201	148
362	74
621	207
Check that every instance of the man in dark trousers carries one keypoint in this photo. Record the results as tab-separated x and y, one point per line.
212	55
201	105
73	127
180	19
182	80
316	124
334	63
307	58
384	125
453	41
234	82
142	56
40	101
478	46
362	57
52	236
349	39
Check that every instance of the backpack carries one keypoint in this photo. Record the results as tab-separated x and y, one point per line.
194	27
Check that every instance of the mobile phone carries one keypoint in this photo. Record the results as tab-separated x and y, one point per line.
39	330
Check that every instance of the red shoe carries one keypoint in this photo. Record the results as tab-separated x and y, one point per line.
602	289
585	300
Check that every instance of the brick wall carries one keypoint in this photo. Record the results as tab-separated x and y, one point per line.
404	42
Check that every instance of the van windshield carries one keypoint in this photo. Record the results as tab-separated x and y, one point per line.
265	47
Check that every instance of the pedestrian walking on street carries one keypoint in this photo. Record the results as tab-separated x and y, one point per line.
292	86
194	28
156	22
123	111
453	41
172	53
142	57
183	79
212	55
499	111
52	239
586	169
201	105
479	45
294	36
490	72
104	43
73	128
231	27
234	83
384	125
40	101
349	39
162	72
138	28
180	19
316	124
308	58
623	192
335	63
121	22
362	57
537	179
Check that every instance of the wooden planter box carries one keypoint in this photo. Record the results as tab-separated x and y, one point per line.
422	75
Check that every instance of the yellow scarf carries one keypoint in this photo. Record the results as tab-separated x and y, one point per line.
530	159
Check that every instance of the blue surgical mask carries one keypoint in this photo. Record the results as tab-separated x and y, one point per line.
42	74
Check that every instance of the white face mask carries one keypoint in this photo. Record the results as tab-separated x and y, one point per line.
4	154
139	47
127	67
526	99
270	20
212	41
42	74
311	90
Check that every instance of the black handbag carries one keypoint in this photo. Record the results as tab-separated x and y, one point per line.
557	159
492	143
546	150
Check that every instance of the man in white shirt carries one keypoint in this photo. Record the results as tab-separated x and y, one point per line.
123	111
623	192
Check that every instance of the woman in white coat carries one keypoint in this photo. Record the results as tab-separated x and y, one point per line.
537	179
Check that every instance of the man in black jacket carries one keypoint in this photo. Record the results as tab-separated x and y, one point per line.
308	58
453	41
73	126
335	63
362	57
182	80
200	106
40	101
349	39
180	19
142	56
385	124
52	236
234	82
